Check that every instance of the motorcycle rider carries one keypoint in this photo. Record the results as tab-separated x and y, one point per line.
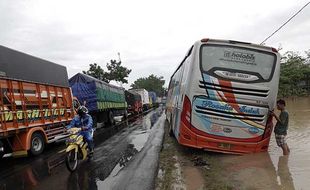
84	121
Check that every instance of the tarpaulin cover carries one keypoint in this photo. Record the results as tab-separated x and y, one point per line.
98	95
152	96
21	66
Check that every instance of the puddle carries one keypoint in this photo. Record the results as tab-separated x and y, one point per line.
47	170
136	141
193	178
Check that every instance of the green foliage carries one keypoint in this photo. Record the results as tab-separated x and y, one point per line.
97	72
115	72
295	75
151	83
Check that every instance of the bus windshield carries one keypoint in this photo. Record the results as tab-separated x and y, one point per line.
237	63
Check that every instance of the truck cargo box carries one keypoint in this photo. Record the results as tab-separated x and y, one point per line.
18	65
144	95
134	102
31	115
99	95
132	97
152	96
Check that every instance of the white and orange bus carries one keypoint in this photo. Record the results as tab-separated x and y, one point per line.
220	96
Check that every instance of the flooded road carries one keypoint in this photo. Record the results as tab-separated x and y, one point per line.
272	170
297	165
115	147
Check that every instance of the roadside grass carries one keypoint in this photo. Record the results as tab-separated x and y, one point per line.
213	173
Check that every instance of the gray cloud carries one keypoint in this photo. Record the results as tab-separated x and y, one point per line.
151	37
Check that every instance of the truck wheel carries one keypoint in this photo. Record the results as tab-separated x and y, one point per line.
111	118
1	150
36	144
95	121
126	115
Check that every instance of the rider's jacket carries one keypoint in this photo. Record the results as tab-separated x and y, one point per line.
84	121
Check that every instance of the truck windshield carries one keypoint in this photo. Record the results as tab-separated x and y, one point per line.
237	62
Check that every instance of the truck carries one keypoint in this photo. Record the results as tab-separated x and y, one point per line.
134	103
159	100
103	100
152	96
144	97
36	103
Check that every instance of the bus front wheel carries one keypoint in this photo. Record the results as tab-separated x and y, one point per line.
171	134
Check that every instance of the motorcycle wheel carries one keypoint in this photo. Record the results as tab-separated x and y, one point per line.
72	160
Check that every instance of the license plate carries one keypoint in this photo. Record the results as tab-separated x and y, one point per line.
224	146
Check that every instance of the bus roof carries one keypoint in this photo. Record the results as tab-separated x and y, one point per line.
219	41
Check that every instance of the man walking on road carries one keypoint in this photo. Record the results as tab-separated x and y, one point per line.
281	127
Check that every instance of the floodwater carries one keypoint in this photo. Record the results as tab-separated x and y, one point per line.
272	170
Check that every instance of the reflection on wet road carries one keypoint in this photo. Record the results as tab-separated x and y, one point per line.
272	170
295	168
115	147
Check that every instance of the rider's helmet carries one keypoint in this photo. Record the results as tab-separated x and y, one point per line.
82	110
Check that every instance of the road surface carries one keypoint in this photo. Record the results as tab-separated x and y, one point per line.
116	163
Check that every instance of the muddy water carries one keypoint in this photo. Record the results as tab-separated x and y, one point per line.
297	164
272	170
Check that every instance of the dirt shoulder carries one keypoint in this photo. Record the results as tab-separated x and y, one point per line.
186	168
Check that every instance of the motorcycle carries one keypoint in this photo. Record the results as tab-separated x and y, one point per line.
76	149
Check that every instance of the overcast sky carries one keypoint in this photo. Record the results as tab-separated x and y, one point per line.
151	36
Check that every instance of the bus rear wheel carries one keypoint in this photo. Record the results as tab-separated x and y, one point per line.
36	144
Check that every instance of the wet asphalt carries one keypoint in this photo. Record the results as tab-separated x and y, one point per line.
126	157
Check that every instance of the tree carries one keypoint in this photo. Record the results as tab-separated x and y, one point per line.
294	76
115	72
97	72
151	83
308	56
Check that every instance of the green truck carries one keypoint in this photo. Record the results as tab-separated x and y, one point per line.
104	101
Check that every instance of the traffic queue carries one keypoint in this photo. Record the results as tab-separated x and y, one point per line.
37	101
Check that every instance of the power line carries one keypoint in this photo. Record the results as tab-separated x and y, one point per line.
286	22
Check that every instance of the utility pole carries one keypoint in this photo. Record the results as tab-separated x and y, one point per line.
119	60
119	56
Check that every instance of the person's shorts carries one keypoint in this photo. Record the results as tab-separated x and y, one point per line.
281	140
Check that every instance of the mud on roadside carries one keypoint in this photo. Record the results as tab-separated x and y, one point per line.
187	168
